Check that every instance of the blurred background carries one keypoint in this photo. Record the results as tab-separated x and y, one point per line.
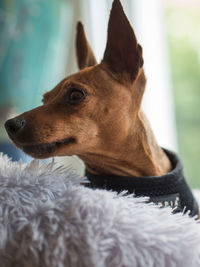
37	51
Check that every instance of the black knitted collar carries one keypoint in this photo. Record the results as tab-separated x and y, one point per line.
170	189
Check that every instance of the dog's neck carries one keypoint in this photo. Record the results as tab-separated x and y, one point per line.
138	155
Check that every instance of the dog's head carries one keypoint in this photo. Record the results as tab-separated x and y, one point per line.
93	109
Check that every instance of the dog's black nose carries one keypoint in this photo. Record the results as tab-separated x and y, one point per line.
13	126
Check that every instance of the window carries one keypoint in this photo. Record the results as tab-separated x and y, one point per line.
183	23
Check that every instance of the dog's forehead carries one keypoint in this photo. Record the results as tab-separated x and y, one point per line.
96	80
90	77
52	93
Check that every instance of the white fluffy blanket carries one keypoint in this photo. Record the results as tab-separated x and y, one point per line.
48	219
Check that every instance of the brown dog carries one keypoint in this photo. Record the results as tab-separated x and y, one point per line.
96	113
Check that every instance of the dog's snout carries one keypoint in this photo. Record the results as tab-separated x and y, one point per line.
13	126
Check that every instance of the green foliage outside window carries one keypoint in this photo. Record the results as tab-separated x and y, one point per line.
183	29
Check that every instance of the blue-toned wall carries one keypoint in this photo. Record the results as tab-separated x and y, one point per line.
32	34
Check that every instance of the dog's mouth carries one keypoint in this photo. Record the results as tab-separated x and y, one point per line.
46	149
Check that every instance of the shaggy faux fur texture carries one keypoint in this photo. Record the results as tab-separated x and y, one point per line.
48	219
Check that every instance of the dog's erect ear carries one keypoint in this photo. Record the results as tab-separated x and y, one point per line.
85	56
123	55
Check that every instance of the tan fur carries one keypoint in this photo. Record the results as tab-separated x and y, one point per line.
110	131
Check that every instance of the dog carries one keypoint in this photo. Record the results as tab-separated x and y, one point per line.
96	114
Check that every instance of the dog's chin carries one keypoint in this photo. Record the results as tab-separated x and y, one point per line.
46	150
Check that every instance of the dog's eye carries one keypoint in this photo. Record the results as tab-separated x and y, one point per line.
75	95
